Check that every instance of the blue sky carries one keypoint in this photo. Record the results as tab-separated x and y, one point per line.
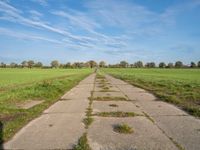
110	30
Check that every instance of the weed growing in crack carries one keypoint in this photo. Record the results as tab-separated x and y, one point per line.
82	143
123	128
116	114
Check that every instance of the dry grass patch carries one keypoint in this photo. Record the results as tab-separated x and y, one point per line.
123	128
113	105
108	98
116	114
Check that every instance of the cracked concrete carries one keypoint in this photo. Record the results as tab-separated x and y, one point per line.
60	126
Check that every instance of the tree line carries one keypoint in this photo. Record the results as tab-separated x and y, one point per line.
101	64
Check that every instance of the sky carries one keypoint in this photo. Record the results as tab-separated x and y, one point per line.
109	30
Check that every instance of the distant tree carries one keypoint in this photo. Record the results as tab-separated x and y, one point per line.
138	64
77	65
92	63
61	65
170	65
102	64
193	65
132	65
30	63
68	65
123	64
150	65
38	65
198	64
178	64
3	65
13	65
162	65
24	64
54	64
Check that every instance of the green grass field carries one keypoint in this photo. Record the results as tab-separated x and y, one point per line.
178	86
14	77
21	85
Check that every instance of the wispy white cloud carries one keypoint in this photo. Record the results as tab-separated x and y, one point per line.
41	2
23	36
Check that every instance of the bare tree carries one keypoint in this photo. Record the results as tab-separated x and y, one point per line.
54	64
30	63
24	64
102	64
92	63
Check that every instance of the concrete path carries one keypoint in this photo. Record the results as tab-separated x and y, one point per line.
157	125
60	126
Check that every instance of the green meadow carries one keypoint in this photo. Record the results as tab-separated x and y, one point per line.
10	77
178	86
21	85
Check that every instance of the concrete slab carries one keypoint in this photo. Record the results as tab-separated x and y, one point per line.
101	106
159	108
130	88
54	131
175	123
185	130
69	106
140	96
115	81
146	135
109	94
113	88
88	80
79	93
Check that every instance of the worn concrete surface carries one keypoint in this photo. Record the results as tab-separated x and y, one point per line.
101	106
177	125
164	127
146	135
109	94
60	126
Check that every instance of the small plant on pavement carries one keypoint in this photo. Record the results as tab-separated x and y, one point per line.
123	128
82	143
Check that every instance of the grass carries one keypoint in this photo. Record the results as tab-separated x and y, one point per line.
88	120
148	117
116	114
107	98
123	128
178	86
82	143
13	118
10	77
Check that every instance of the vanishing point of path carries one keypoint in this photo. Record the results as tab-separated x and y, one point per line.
157	125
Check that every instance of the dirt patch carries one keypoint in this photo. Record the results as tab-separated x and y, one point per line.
29	104
9	117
